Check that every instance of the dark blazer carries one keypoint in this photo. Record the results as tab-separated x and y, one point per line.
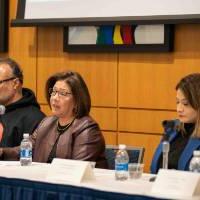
184	160
83	140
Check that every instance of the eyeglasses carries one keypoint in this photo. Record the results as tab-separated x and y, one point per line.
53	92
8	79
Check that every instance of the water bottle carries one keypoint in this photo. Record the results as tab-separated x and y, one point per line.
26	151
195	162
121	163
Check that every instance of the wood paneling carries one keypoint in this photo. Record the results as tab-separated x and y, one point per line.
22	48
106	117
98	70
148	80
110	137
149	142
143	82
131	92
145	121
46	109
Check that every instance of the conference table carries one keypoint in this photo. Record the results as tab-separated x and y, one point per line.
31	183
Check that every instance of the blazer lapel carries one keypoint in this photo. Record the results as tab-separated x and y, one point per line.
193	144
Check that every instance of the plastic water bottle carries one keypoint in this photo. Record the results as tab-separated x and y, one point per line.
195	162
26	151
121	163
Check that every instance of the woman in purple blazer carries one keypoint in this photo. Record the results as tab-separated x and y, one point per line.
70	132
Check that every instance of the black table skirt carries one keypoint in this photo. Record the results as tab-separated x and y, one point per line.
18	189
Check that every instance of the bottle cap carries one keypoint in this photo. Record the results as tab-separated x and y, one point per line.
122	146
26	135
196	152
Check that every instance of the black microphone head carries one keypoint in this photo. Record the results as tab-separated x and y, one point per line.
168	125
2	109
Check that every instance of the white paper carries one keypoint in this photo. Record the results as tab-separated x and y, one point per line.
64	170
82	35
149	34
176	183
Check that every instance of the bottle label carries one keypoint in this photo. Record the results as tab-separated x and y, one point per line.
25	153
121	167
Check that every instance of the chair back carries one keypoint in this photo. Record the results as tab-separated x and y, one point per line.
136	154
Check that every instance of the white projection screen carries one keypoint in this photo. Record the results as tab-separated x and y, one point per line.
83	19
40	9
72	11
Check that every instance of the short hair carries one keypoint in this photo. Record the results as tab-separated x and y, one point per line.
78	88
190	86
16	69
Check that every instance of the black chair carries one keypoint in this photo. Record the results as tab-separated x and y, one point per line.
136	154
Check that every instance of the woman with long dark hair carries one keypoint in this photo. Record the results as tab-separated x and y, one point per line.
184	135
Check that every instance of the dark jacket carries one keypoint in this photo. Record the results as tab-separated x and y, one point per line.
20	117
83	140
184	160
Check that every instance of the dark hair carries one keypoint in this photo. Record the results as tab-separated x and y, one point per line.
78	88
190	86
16	70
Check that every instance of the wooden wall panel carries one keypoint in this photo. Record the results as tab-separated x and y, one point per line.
106	117
110	137
98	70
46	109
148	80
22	48
149	142
145	121
143	82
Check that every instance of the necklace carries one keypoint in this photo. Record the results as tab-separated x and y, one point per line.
63	128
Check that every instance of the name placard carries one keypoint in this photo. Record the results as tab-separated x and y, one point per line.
176	183
64	170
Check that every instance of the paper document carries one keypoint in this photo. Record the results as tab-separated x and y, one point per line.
149	34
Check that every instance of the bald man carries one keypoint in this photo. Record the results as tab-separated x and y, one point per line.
22	114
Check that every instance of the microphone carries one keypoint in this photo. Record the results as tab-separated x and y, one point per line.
165	151
169	126
2	109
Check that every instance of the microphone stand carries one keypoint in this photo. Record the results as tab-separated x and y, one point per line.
165	150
